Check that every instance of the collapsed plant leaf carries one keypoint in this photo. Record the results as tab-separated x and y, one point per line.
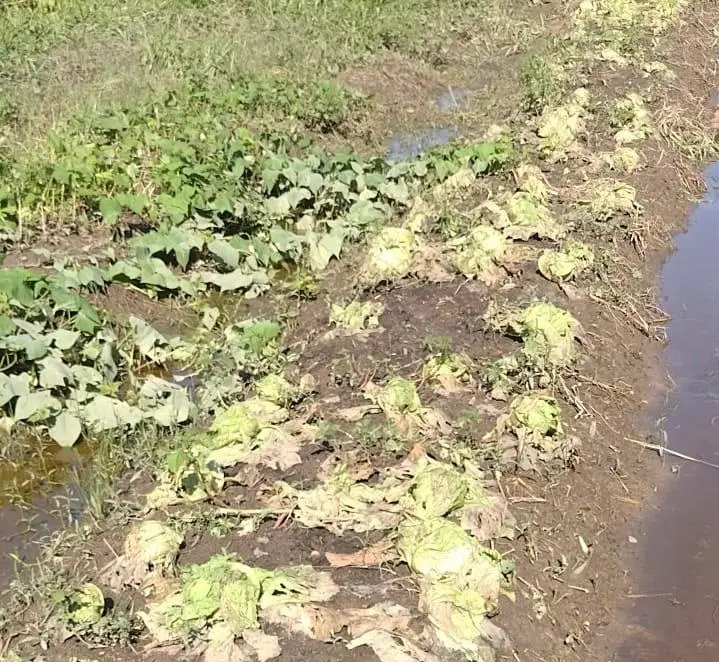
480	253
522	215
536	414
392	647
548	332
277	390
455	184
607	199
534	420
531	180
400	403
631	117
502	376
254	432
461	580
376	554
448	373
323	623
440	490
225	591
343	503
356	316
242	422
389	257
150	547
459	615
527	218
435	547
623	159
83	606
560	127
565	264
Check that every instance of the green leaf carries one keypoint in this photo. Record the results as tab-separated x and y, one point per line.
16	285
63	338
176	240
34	348
235	280
66	430
284	241
85	375
311	180
225	251
12	386
54	373
38	405
296	195
396	191
105	413
176	207
168	404
135	203
110	210
322	250
149	342
7	326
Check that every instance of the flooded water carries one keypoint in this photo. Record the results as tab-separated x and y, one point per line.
453	99
411	145
680	542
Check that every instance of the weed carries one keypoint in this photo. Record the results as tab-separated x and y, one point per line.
541	83
441	345
383	439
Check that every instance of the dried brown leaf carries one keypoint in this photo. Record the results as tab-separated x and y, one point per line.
376	554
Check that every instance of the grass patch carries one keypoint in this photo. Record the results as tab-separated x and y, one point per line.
61	56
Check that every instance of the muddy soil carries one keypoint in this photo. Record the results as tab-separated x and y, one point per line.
581	550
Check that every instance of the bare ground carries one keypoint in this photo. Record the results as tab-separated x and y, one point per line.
569	602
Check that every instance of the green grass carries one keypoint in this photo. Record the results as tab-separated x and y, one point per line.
58	56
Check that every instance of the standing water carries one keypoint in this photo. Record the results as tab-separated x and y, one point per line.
680	560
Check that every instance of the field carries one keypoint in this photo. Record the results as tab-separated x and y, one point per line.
328	329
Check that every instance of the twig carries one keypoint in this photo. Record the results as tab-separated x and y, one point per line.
661	450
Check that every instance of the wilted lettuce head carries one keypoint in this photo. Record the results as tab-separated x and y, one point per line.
433	547
563	265
242	422
531	180
399	396
480	251
390	256
84	605
632	118
457	613
356	315
608	199
153	543
624	159
228	592
548	333
536	413
444	369
437	489
238	605
276	389
529	218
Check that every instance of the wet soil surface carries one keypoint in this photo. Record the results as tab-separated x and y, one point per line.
677	610
572	546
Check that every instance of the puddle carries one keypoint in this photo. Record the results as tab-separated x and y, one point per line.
680	542
411	145
38	470
453	99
